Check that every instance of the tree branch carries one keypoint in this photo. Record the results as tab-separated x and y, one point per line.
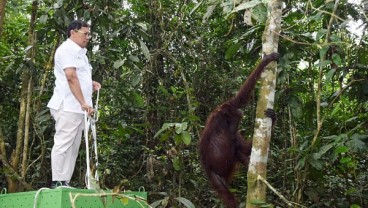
11	172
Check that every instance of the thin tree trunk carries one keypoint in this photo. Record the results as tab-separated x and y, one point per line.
263	124
2	15
2	145
26	129
48	67
154	73
320	119
16	154
22	140
10	172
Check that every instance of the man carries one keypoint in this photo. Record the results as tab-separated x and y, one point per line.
71	99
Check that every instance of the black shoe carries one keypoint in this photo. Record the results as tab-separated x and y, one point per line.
56	184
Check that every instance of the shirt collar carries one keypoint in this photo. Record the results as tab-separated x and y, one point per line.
77	47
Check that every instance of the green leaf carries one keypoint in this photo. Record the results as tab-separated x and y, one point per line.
330	74
322	151
320	34
336	59
165	126
43	18
196	7
267	206
296	106
142	25
317	164
145	50
301	164
323	51
180	127
58	5
176	164
124	200
118	63
134	58
136	81
178	139
352	119
359	136
156	203
246	5
336	109
356	144
341	149
257	202
352	190
165	136
363	56
323	63
335	38
185	202
164	90
259	13
209	12
138	100
186	137
316	17
232	50
165	202
86	14
345	160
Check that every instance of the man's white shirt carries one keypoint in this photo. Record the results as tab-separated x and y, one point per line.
69	54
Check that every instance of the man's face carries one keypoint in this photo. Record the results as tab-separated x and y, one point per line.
81	36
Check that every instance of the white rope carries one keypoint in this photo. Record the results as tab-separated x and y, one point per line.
41	189
90	122
94	136
95	115
36	196
86	130
94	132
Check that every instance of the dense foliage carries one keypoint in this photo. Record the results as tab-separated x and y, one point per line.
165	64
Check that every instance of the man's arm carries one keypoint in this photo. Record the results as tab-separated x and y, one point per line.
74	85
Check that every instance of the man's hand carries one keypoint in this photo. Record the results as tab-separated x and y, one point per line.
88	109
96	85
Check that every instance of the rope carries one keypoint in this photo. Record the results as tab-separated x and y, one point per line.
90	122
96	106
86	129
36	196
41	189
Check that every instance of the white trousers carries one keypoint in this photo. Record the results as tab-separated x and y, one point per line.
69	128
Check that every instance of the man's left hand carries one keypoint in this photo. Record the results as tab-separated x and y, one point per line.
96	85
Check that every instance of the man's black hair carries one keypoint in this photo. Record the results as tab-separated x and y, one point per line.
76	25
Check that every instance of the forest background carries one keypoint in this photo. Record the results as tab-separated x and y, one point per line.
164	65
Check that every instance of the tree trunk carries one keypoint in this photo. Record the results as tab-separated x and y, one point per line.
154	73
2	15
319	114
263	124
21	149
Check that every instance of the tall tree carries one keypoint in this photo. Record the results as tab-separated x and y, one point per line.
320	114
263	125
22	142
155	69
2	15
